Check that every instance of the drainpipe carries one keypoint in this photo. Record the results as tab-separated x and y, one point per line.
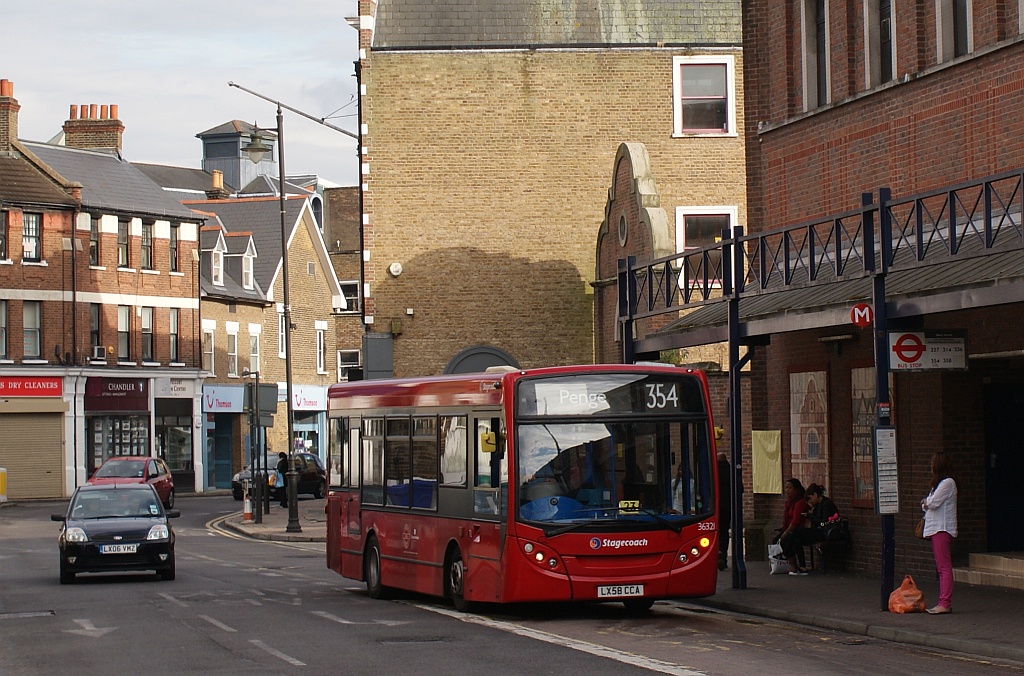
359	178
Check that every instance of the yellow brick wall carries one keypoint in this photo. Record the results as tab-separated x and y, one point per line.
488	177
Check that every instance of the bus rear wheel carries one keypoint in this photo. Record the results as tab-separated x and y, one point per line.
455	581
375	589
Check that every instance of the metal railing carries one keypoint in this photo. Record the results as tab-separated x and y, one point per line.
973	219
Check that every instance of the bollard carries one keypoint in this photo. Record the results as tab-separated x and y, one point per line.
247	509
3	484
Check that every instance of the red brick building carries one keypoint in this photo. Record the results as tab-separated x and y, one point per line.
99	308
489	133
901	120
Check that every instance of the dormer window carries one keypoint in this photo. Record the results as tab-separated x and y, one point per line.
217	261
247	262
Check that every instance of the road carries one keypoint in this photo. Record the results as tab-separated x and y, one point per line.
242	606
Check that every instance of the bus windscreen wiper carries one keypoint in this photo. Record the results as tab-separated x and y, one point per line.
675	527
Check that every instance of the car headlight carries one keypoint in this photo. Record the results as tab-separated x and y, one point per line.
158	532
75	535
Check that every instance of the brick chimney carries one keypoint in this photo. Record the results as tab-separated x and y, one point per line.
217	190
8	116
92	126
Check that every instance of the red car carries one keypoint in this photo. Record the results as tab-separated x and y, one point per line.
137	470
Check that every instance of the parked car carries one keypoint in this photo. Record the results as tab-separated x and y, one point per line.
136	469
115	527
312	476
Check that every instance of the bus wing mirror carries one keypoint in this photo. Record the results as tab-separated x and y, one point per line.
488	442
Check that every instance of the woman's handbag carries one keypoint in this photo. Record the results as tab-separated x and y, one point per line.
907	598
919	529
776	560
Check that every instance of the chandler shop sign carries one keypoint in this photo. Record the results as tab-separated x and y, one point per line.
117	394
31	386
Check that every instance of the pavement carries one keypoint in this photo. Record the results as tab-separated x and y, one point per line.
986	621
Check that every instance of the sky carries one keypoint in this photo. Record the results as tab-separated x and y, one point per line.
166	65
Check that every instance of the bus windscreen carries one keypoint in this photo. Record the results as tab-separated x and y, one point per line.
591	461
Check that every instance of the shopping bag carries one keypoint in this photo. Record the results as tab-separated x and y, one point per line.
919	528
776	560
907	598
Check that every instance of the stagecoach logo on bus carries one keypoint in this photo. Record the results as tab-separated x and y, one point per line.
597	543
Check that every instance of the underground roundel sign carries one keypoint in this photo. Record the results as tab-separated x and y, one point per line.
861	315
907	350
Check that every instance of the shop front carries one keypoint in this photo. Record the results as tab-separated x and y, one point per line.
173	422
117	419
32	412
310	410
223	408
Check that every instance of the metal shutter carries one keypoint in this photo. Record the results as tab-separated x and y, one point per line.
33	454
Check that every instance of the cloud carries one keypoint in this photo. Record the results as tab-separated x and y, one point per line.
166	66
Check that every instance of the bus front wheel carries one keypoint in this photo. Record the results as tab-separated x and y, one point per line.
375	589
455	580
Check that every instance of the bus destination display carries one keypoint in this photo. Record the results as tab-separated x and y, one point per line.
609	394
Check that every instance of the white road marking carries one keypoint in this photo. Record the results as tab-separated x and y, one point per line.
219	625
332	618
89	629
571	643
277	653
37	613
174	600
339	620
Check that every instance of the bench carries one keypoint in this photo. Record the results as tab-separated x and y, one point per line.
836	545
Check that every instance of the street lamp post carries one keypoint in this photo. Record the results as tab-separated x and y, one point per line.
256	150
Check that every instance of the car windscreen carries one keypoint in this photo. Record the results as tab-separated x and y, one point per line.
113	504
122	469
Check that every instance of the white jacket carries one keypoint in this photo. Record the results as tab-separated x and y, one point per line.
940	509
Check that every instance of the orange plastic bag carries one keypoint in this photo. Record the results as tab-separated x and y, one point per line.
907	599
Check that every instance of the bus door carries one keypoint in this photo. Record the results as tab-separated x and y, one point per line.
485	537
344	540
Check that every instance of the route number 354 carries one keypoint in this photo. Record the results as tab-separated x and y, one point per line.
662	395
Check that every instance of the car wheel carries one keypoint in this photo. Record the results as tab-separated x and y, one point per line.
375	589
66	576
455	581
167	574
320	491
170	500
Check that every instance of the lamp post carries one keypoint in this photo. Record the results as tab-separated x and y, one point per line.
256	149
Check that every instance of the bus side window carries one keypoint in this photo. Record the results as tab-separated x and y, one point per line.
453	450
337	439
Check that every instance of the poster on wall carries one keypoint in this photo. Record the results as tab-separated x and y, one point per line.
808	423
864	421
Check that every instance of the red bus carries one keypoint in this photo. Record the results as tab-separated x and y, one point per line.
575	483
